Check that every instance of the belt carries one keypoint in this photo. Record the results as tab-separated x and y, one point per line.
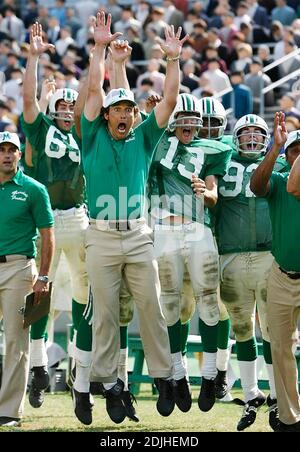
12	257
116	225
291	275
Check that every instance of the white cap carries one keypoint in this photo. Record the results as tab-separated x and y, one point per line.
7	137
118	95
292	138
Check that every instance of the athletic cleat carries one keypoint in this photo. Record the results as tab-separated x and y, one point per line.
82	406
114	404
182	394
10	421
221	385
250	412
207	398
40	377
273	413
288	427
36	395
165	403
128	399
97	388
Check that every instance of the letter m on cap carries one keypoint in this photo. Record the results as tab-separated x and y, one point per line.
122	93
6	136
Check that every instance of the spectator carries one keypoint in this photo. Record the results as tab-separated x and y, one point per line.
258	14
219	81
240	99
256	80
285	14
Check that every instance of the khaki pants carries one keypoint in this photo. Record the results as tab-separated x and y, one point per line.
111	255
16	280
283	311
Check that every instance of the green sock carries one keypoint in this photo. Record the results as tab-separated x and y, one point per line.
223	334
209	337
174	337
77	312
39	328
267	352
185	329
247	351
123	336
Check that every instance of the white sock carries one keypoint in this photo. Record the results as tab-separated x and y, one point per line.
209	367
72	344
270	371
223	357
185	363
108	386
178	368
248	375
38	354
123	367
83	360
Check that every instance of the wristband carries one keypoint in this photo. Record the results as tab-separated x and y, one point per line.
173	59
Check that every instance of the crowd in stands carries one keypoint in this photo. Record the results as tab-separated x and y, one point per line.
229	44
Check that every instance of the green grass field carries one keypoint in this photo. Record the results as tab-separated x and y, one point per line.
56	415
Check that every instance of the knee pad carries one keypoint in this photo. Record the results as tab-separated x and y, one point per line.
170	305
208	307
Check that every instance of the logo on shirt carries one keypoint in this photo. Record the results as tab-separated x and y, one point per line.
19	196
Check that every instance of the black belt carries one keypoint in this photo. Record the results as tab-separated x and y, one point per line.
295	275
119	225
3	258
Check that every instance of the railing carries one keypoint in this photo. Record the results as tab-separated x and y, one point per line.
279	82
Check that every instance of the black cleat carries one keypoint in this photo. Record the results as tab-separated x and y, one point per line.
97	388
82	406
36	395
207	398
40	377
250	412
182	394
288	427
273	413
165	403
10	421
221	385
114	404
128	400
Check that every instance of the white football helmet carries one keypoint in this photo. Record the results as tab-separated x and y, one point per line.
68	95
214	118
255	144
186	103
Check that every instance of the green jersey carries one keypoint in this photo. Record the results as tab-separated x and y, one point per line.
24	207
116	171
56	160
285	219
242	220
172	169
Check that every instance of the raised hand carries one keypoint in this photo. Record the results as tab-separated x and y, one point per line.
37	46
172	44
151	102
48	89
119	50
280	132
102	33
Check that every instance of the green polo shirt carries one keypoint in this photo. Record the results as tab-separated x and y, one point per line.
24	207
116	171
285	218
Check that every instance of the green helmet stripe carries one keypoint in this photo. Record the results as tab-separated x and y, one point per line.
208	107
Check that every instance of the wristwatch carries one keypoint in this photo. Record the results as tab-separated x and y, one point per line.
44	279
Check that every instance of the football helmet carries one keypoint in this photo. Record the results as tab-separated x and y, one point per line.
66	94
186	103
257	142
214	118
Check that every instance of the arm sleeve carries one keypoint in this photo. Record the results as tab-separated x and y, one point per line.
151	132
41	208
34	133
